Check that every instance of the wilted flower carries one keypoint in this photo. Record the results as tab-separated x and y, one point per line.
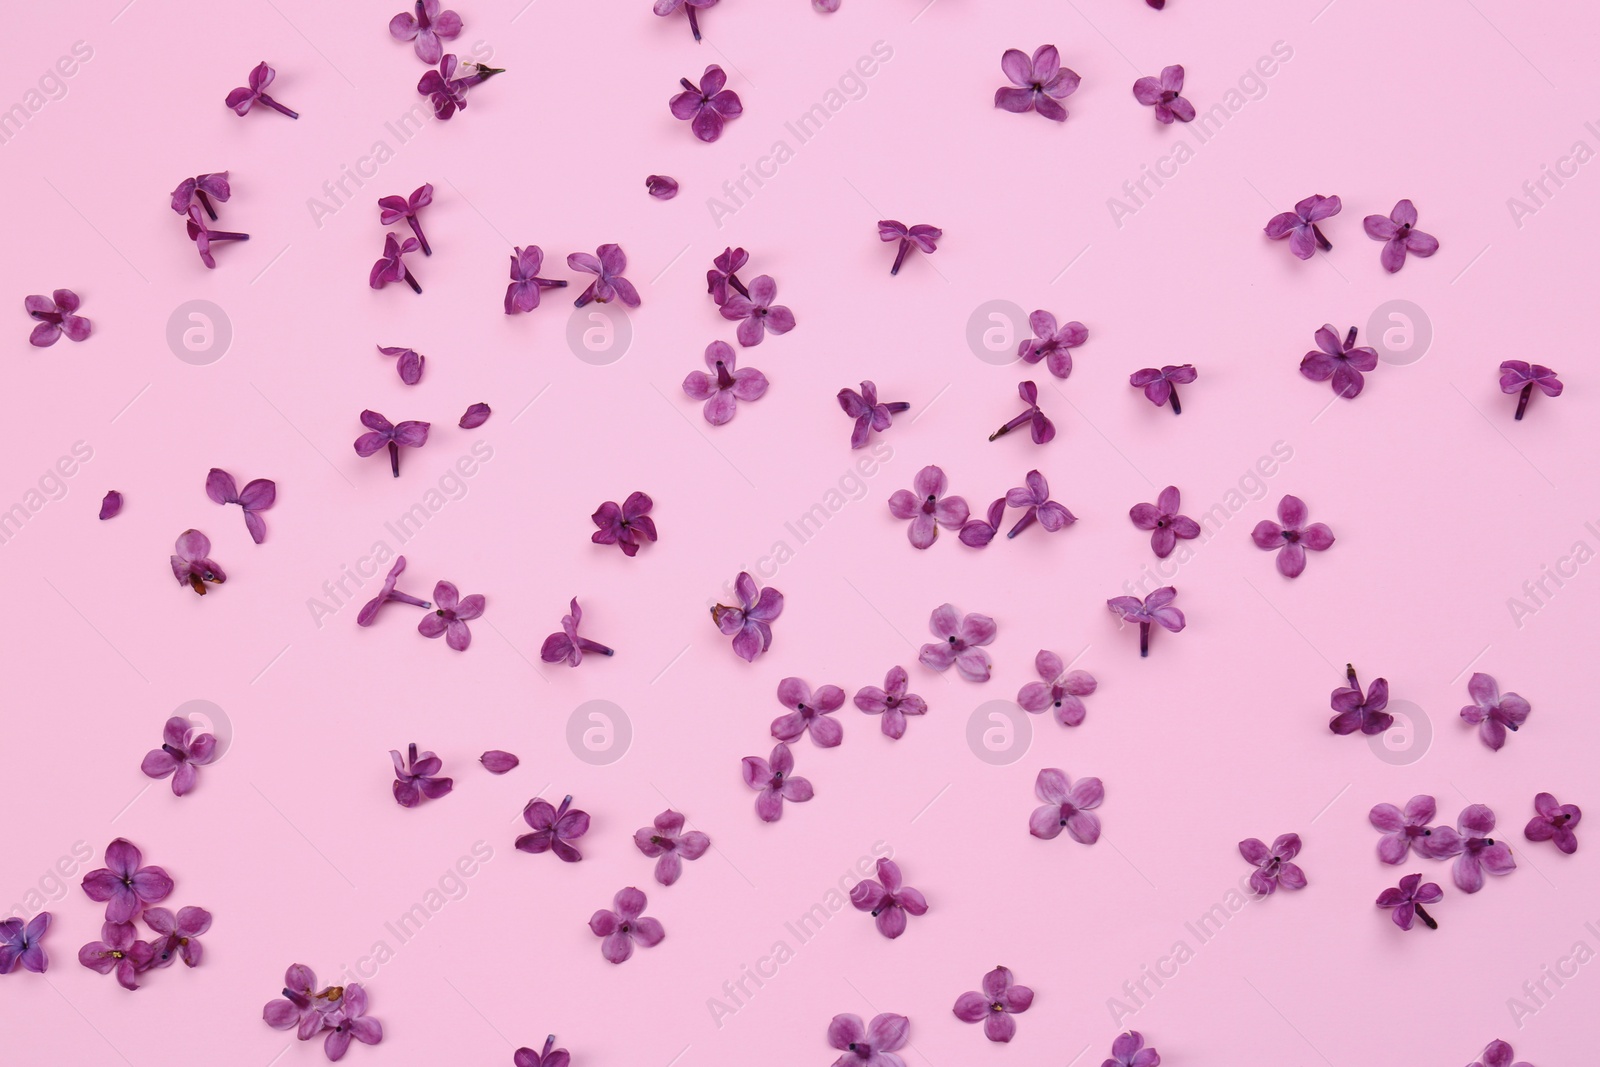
1052	343
1039	82
1163	94
245	97
1492	713
607	266
661	187
959	644
749	624
1044	431
1067	805
1274	866
624	925
369	611
1290	536
1000	999
550	1057
1399	237
927	507
1061	690
191	562
554	829
977	533
184	749
1300	225
257	496
775	781
1407	900
892	702
408	363
667	843
416	775
391	266
204	188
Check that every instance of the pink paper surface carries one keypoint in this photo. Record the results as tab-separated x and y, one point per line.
1448	515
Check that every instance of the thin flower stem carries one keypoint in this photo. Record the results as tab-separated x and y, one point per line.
415	288
224	235
1020	420
688	86
1144	639
1023	523
274	105
724	379
1322	242
205	202
1427	920
738	286
394	458
594	646
547	283
407	598
1350	675
897	407
694	23
1177	409
1522	401
416	228
900	257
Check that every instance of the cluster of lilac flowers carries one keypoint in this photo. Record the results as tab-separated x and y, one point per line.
1397	230
339	1013
131	892
193	195
448	612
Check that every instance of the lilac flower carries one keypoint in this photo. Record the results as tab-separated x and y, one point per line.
257	496
202	237
927	507
475	415
960	643
450	616
773	778
661	187
427	27
1128	1049
446	91
1404	830
1161	386
409	363
1492	713
1340	361
868	413
204	188
180	935
1039	82
1274	866
1516	376
1479	851
23	944
1291	536
889	900
924	238
55	315
1061	689
245	97
1156	608
757	311
550	1057
707	106
873	1044
725	386
1034	497
566	645
416	775
1554	823
191	562
347	1020
1399	237
809	712
1163	95
391	266
624	925
627	526
722	276
124	884
392	209
554	829
369	611
1166	526
111	505
1067	805
302	1007
120	951
1300	225
667	7
1407	900
666	842
523	292
184	749
607	266
382	433
1357	711
497	762
1497	1054
1000	999
1052	343
977	533
749	624
892	702
826	7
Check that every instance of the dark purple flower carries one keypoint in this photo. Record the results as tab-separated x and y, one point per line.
1128	1049
868	413
1166	526
889	900
1399	237
391	266
191	562
245	97
1062	690
382	433
475	415
417	776
450	616
23	944
1034	498
1516	376
204	188
668	844
1497	1054
1300	225
124	884
523	292
427	27
257	496
1290	536
667	7
661	187
1156	608
977	533
723	275
1161	386
922	237
369	611
448	92
808	711
180	935
550	1057
111	506
202	237
756	313
120	951
624	925
725	386
1479	851
1274	866
892	702
775	781
566	646
554	829
496	761
409	363
1340	361
1554	823
1163	94
1052	343
827	7
874	1044
1044	431
607	266
1000	999
927	507
1404	830
707	106
347	1020
392	209
1492	713
749	624
1039	83
627	525
184	749
1407	900
1067	806
960	643
302	1007
1357	711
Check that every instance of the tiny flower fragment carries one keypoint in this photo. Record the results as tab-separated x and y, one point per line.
257	496
111	505
475	415
408	363
496	761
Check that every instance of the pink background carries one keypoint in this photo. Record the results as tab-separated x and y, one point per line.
1443	508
